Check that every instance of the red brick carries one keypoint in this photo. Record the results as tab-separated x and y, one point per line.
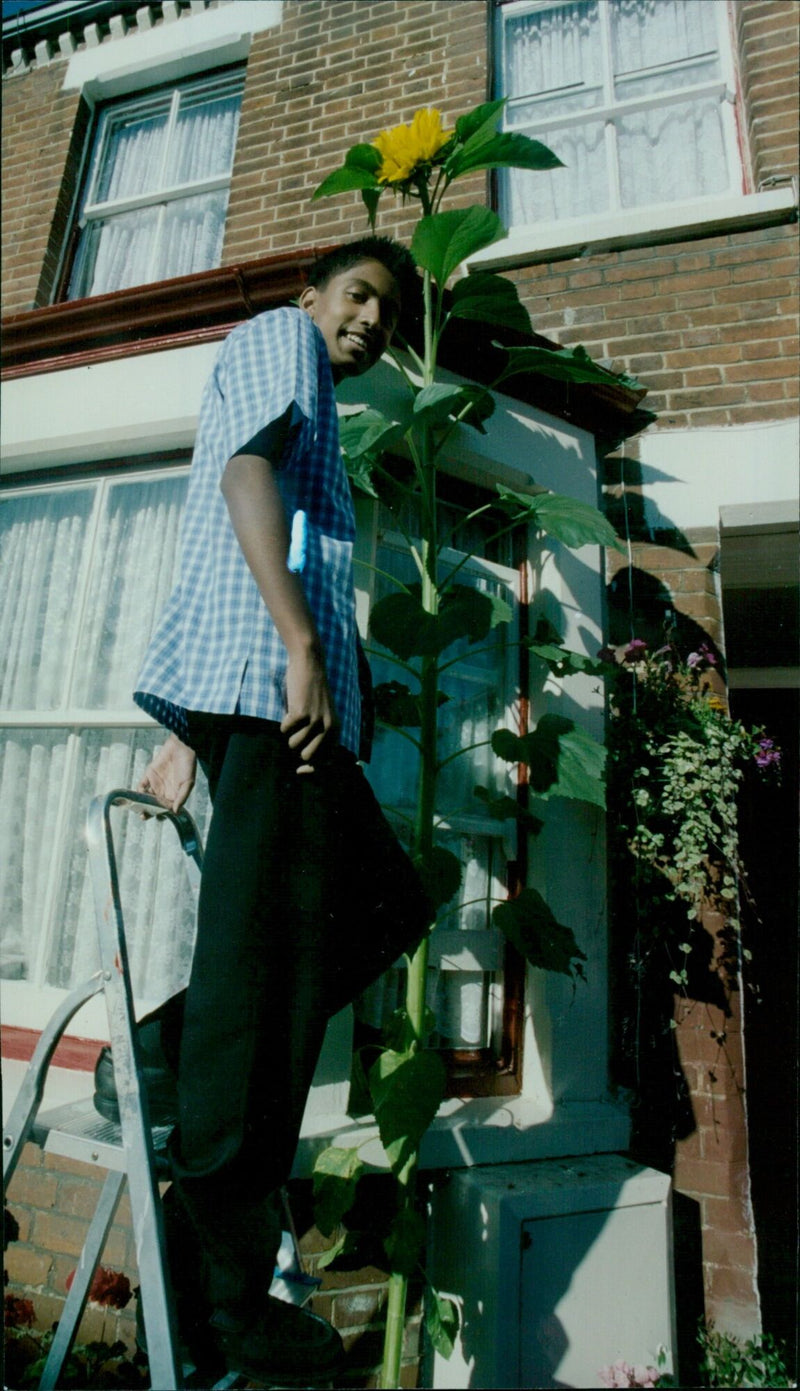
26	1266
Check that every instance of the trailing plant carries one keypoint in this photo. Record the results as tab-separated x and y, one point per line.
421	623
727	1361
677	762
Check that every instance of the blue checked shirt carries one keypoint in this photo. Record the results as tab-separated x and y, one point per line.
216	648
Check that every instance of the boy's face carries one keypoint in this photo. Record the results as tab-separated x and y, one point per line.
356	313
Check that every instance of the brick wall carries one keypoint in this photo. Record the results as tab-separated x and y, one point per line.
335	74
767	38
53	1200
43	135
710	326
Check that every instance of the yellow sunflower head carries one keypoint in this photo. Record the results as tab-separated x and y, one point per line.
405	147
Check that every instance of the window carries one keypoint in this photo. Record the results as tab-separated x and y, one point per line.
157	187
86	565
632	95
472	975
85	568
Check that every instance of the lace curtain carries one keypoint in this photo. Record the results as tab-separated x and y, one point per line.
84	571
555	58
171	142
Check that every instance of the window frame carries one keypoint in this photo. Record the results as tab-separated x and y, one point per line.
494	1070
87	211
725	86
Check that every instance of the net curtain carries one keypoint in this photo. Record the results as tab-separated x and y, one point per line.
146	154
664	153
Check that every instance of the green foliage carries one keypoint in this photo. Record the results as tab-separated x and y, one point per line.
564	365
336	1175
566	519
729	1362
563	759
530	925
407	1089
442	241
490	299
396	705
442	1322
440	871
402	623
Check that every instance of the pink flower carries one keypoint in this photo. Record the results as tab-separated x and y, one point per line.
635	650
767	753
621	1373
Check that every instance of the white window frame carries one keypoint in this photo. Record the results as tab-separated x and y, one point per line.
92	209
30	1003
652	223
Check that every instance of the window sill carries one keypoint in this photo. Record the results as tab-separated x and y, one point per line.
483	1130
666	222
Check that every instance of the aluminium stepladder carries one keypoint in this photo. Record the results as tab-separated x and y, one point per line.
128	1150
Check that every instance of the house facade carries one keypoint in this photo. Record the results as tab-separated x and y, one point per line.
158	165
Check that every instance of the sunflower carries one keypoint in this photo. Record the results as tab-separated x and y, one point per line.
405	147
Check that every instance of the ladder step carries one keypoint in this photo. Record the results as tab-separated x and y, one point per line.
76	1131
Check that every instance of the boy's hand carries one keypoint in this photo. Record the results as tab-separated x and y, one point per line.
310	719
170	775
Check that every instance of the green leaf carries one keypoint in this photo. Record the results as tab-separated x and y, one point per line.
566	519
530	925
442	1321
482	120
564	760
506	150
565	365
502	808
347	1242
400	623
365	157
491	299
563	662
440	872
396	705
436	403
368	431
344	179
370	197
405	1240
336	1175
441	242
407	1090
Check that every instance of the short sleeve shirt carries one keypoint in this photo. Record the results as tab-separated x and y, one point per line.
216	648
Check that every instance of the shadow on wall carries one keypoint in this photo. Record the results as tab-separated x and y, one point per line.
562	1267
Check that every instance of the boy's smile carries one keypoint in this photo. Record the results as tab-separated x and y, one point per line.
356	312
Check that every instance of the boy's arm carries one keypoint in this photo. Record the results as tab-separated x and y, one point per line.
258	516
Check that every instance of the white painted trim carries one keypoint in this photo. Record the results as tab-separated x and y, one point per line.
663	222
170	52
743	518
688	476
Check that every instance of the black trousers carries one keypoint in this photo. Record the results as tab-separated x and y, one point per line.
306	898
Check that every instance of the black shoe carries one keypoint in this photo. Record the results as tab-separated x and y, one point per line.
284	1343
158	1078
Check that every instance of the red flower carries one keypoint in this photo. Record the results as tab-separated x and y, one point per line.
108	1287
18	1313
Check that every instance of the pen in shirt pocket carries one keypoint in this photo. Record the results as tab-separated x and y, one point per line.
298	543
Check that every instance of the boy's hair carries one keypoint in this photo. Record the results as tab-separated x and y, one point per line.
392	254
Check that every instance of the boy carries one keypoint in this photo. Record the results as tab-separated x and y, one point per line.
306	896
